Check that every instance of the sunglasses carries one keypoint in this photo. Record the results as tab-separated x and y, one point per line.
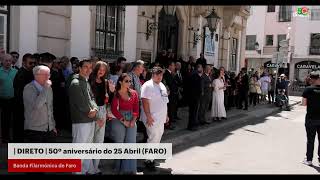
128	81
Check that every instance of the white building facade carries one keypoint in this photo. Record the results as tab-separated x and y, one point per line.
188	35
112	31
80	31
268	25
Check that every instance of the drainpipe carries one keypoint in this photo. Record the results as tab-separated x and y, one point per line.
155	35
189	25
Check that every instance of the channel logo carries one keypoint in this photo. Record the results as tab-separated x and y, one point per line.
301	12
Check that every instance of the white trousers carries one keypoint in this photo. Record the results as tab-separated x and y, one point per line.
155	133
98	136
84	133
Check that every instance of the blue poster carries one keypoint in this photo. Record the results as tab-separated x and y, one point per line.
209	43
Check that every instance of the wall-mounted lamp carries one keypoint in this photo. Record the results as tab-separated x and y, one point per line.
150	28
222	37
197	37
213	20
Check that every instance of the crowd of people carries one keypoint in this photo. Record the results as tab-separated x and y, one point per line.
94	99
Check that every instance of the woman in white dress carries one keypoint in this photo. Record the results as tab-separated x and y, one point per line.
218	111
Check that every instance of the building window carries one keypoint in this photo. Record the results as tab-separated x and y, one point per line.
234	49
269	40
314	44
271	9
280	38
3	27
250	42
109	31
315	14
285	13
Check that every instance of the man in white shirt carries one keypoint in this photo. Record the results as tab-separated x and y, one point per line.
154	100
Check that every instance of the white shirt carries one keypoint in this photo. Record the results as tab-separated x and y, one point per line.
158	99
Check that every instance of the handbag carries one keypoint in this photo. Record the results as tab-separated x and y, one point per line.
258	90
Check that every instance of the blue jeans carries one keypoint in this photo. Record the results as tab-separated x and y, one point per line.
122	134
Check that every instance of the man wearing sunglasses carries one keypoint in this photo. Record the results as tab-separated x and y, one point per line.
23	77
15	56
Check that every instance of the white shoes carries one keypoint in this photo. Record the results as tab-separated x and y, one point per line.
309	163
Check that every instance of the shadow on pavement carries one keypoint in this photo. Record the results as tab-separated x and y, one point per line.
222	133
316	168
158	170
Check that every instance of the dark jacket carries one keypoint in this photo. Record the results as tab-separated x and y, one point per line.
22	78
81	100
196	86
207	89
179	80
57	79
244	83
170	82
282	84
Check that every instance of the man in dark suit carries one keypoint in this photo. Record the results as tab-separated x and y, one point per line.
196	89
244	89
171	84
178	78
23	77
202	61
206	96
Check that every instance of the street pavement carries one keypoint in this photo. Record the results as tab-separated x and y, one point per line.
261	140
275	144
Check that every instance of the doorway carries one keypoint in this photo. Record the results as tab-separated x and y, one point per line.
168	32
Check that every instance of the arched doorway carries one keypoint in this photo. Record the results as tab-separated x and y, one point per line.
168	32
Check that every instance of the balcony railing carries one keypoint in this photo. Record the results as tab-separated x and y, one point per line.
269	50
291	49
314	50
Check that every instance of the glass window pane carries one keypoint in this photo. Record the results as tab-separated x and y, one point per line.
269	40
101	10
2	41
102	38
111	18
103	17
98	17
250	42
1	24
111	42
97	40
